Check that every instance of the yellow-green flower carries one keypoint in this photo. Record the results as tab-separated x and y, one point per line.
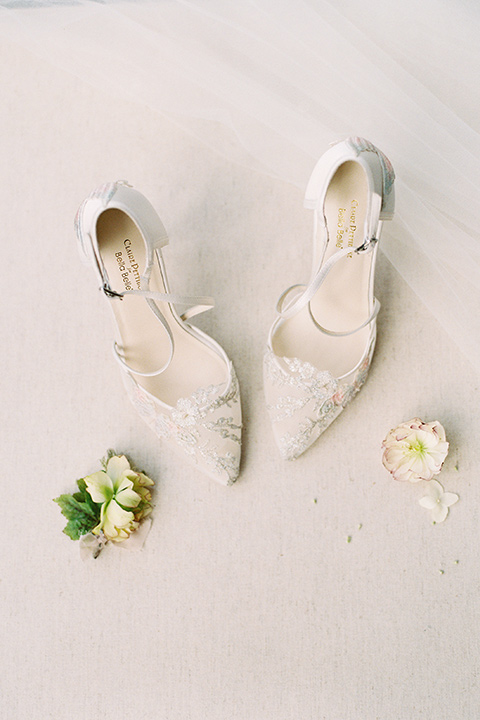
141	483
120	490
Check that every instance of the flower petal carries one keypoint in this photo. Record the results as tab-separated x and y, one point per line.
128	497
449	499
427	439
99	487
116	466
110	531
439	430
427	502
439	453
394	455
143	479
423	466
117	516
439	513
435	490
97	528
116	520
123	483
397	462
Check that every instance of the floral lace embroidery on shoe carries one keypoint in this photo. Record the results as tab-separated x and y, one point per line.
191	425
327	397
225	428
313	385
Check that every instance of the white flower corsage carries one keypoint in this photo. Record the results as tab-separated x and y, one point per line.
110	506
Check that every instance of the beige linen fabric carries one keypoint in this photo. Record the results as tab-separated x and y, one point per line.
246	603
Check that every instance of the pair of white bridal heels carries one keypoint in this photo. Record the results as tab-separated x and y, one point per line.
180	380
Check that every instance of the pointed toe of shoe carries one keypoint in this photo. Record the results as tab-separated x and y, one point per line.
220	461
295	441
216	435
303	401
207	426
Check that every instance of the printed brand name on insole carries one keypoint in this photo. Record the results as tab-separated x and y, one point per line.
128	267
347	225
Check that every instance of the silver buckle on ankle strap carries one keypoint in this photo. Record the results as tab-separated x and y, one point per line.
109	292
367	245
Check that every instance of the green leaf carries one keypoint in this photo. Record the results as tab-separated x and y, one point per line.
83	496
82	518
70	506
82	485
94	507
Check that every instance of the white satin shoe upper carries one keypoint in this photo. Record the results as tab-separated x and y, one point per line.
205	423
303	396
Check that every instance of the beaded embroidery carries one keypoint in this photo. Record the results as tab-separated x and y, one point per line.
314	399
195	423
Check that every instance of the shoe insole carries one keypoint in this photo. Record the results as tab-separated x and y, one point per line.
342	302
142	340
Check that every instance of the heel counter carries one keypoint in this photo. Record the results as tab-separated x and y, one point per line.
79	228
388	204
99	197
143	213
361	145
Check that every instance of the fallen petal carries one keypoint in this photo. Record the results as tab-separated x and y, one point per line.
449	499
427	502
439	513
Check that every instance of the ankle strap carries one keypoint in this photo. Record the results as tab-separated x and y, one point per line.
305	298
195	306
376	309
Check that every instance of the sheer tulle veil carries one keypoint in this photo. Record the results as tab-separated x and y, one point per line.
271	83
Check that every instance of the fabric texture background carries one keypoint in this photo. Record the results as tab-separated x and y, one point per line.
247	602
269	83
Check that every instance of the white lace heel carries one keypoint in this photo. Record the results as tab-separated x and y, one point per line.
178	378
322	342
